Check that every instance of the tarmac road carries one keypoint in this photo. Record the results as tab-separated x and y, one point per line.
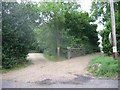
79	82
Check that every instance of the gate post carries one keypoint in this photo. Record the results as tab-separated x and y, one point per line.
58	51
69	52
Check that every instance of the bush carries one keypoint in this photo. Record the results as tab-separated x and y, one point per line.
17	35
104	66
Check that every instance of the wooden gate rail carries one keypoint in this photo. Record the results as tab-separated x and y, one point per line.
70	50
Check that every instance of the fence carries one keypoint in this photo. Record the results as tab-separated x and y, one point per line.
75	52
71	52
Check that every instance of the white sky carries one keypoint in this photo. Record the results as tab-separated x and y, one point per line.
86	5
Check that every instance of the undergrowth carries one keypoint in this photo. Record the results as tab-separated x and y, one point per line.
104	66
17	67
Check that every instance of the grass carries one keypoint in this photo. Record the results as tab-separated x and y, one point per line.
53	58
104	66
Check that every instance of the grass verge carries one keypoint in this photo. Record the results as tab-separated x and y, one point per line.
104	66
17	67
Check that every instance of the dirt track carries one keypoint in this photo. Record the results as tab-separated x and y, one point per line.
42	69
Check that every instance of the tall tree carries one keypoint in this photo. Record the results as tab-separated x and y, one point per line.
53	14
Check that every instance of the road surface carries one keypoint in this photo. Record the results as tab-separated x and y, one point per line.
43	73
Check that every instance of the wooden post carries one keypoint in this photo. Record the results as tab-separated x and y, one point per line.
113	29
58	51
83	51
69	52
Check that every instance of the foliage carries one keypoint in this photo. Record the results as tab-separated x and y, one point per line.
107	47
102	9
55	13
45	40
17	33
65	26
16	67
85	34
104	66
44	26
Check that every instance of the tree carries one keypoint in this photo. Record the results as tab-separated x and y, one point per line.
17	33
103	9
58	18
85	34
53	16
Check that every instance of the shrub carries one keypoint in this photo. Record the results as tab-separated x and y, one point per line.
17	35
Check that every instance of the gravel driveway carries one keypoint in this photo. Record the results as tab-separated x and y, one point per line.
44	73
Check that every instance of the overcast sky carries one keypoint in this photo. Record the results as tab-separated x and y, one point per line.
86	5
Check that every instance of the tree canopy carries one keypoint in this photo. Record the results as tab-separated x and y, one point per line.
67	26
